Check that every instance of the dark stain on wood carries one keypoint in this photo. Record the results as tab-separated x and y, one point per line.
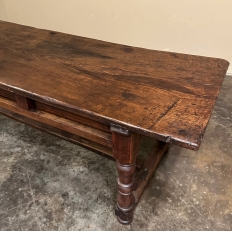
68	48
128	96
128	49
52	32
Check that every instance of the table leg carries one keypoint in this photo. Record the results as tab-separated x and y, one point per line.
125	149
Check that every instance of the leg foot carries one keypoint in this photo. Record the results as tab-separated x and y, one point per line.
124	217
126	201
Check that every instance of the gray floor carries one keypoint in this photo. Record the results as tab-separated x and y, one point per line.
49	184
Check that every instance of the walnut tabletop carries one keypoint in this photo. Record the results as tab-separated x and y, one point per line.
164	95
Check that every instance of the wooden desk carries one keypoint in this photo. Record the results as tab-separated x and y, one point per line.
106	96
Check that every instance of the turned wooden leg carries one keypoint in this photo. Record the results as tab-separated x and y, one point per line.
125	201
125	148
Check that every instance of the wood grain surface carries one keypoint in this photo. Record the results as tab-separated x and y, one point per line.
168	96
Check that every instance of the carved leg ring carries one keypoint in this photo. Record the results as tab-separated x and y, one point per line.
125	201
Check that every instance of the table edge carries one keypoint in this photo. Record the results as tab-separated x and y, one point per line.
100	118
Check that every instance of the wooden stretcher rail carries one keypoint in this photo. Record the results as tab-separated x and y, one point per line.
64	124
60	133
58	112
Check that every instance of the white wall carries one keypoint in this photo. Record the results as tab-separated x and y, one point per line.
202	27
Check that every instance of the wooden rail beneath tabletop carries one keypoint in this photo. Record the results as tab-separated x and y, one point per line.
87	132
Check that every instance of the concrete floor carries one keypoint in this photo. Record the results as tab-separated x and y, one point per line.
49	184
